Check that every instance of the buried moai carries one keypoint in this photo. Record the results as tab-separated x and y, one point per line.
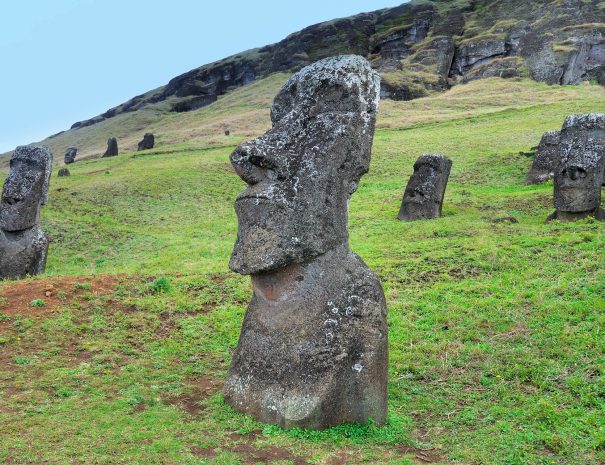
423	196
579	175
23	246
546	160
313	346
112	148
70	155
147	143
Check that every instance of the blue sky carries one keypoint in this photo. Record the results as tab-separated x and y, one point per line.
68	60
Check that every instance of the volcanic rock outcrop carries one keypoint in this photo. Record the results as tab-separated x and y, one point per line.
417	47
112	148
313	346
579	176
23	246
546	160
423	196
147	143
70	155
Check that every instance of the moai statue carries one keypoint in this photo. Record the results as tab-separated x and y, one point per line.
313	349
112	148
70	155
547	159
147	143
423	196
23	246
579	176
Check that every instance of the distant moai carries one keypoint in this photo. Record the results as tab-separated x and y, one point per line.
23	246
63	172
423	196
579	175
147	143
70	155
112	148
313	347
546	160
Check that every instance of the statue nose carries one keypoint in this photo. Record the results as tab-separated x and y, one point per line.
247	164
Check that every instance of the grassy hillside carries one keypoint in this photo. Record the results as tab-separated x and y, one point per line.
497	350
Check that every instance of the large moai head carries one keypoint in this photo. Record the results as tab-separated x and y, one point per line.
112	147
26	188
423	196
579	176
302	172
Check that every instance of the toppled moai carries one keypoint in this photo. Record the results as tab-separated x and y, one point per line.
313	349
112	148
63	172
70	155
579	176
147	143
423	196
546	160
23	246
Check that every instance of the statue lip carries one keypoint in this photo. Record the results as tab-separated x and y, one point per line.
11	200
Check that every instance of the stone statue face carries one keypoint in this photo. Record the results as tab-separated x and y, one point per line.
424	183
579	175
423	196
26	188
302	172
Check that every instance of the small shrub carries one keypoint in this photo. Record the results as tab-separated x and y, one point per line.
159	286
82	286
37	303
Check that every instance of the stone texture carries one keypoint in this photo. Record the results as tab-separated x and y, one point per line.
423	196
63	172
313	346
70	155
112	148
579	176
23	246
546	160
147	143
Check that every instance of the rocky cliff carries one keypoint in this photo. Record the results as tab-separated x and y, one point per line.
418	48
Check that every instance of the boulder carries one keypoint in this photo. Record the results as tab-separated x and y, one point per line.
147	143
423	196
313	347
63	172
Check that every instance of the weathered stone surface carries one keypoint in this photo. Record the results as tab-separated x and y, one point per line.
26	188
313	346
547	159
147	143
112	148
22	253
70	155
579	176
63	172
423	196
477	52
23	246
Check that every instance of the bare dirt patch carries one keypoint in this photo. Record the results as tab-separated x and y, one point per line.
198	390
16	297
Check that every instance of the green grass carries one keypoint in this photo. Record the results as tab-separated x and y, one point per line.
497	347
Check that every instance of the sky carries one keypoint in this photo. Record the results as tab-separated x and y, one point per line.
68	60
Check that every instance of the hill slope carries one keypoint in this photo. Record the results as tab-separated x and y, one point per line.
496	328
419	48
